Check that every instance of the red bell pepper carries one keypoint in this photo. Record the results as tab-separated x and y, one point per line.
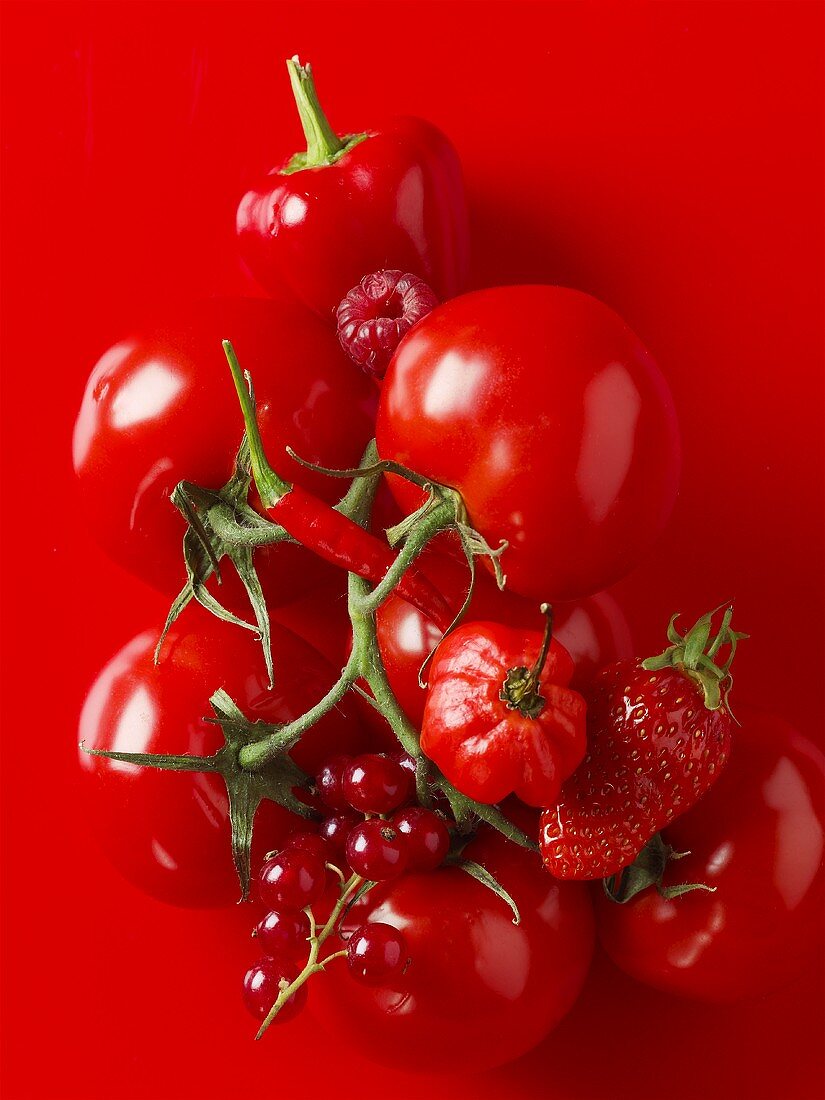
499	717
392	197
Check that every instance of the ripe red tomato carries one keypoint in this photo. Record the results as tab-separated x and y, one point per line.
758	836
550	417
321	618
594	631
160	407
479	990
168	832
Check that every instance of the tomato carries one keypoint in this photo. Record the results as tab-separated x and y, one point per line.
552	420
321	618
594	631
168	832
759	837
479	990
160	407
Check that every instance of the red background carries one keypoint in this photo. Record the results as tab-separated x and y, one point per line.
665	157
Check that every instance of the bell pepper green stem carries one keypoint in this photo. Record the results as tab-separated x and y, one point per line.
322	141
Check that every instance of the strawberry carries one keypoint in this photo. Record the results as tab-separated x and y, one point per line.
658	736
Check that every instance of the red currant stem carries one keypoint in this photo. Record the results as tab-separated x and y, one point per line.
316	941
335	870
329	958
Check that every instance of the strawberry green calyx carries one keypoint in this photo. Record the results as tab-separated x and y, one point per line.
647	870
696	654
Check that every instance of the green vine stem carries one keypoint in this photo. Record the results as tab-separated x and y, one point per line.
365	664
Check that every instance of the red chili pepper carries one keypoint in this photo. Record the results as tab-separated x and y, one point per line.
327	533
390	197
499	716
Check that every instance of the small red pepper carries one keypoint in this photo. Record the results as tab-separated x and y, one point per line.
392	197
499	716
327	533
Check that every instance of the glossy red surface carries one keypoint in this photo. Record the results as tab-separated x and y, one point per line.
666	158
494	732
394	200
553	421
653	750
758	839
594	631
169	832
130	450
479	990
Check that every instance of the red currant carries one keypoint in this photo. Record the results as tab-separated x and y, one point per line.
261	986
376	953
335	831
292	880
329	782
376	851
310	842
428	839
284	935
375	784
406	762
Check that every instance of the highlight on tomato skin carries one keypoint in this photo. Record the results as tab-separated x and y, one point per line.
549	416
479	990
441	894
757	838
158	409
169	832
